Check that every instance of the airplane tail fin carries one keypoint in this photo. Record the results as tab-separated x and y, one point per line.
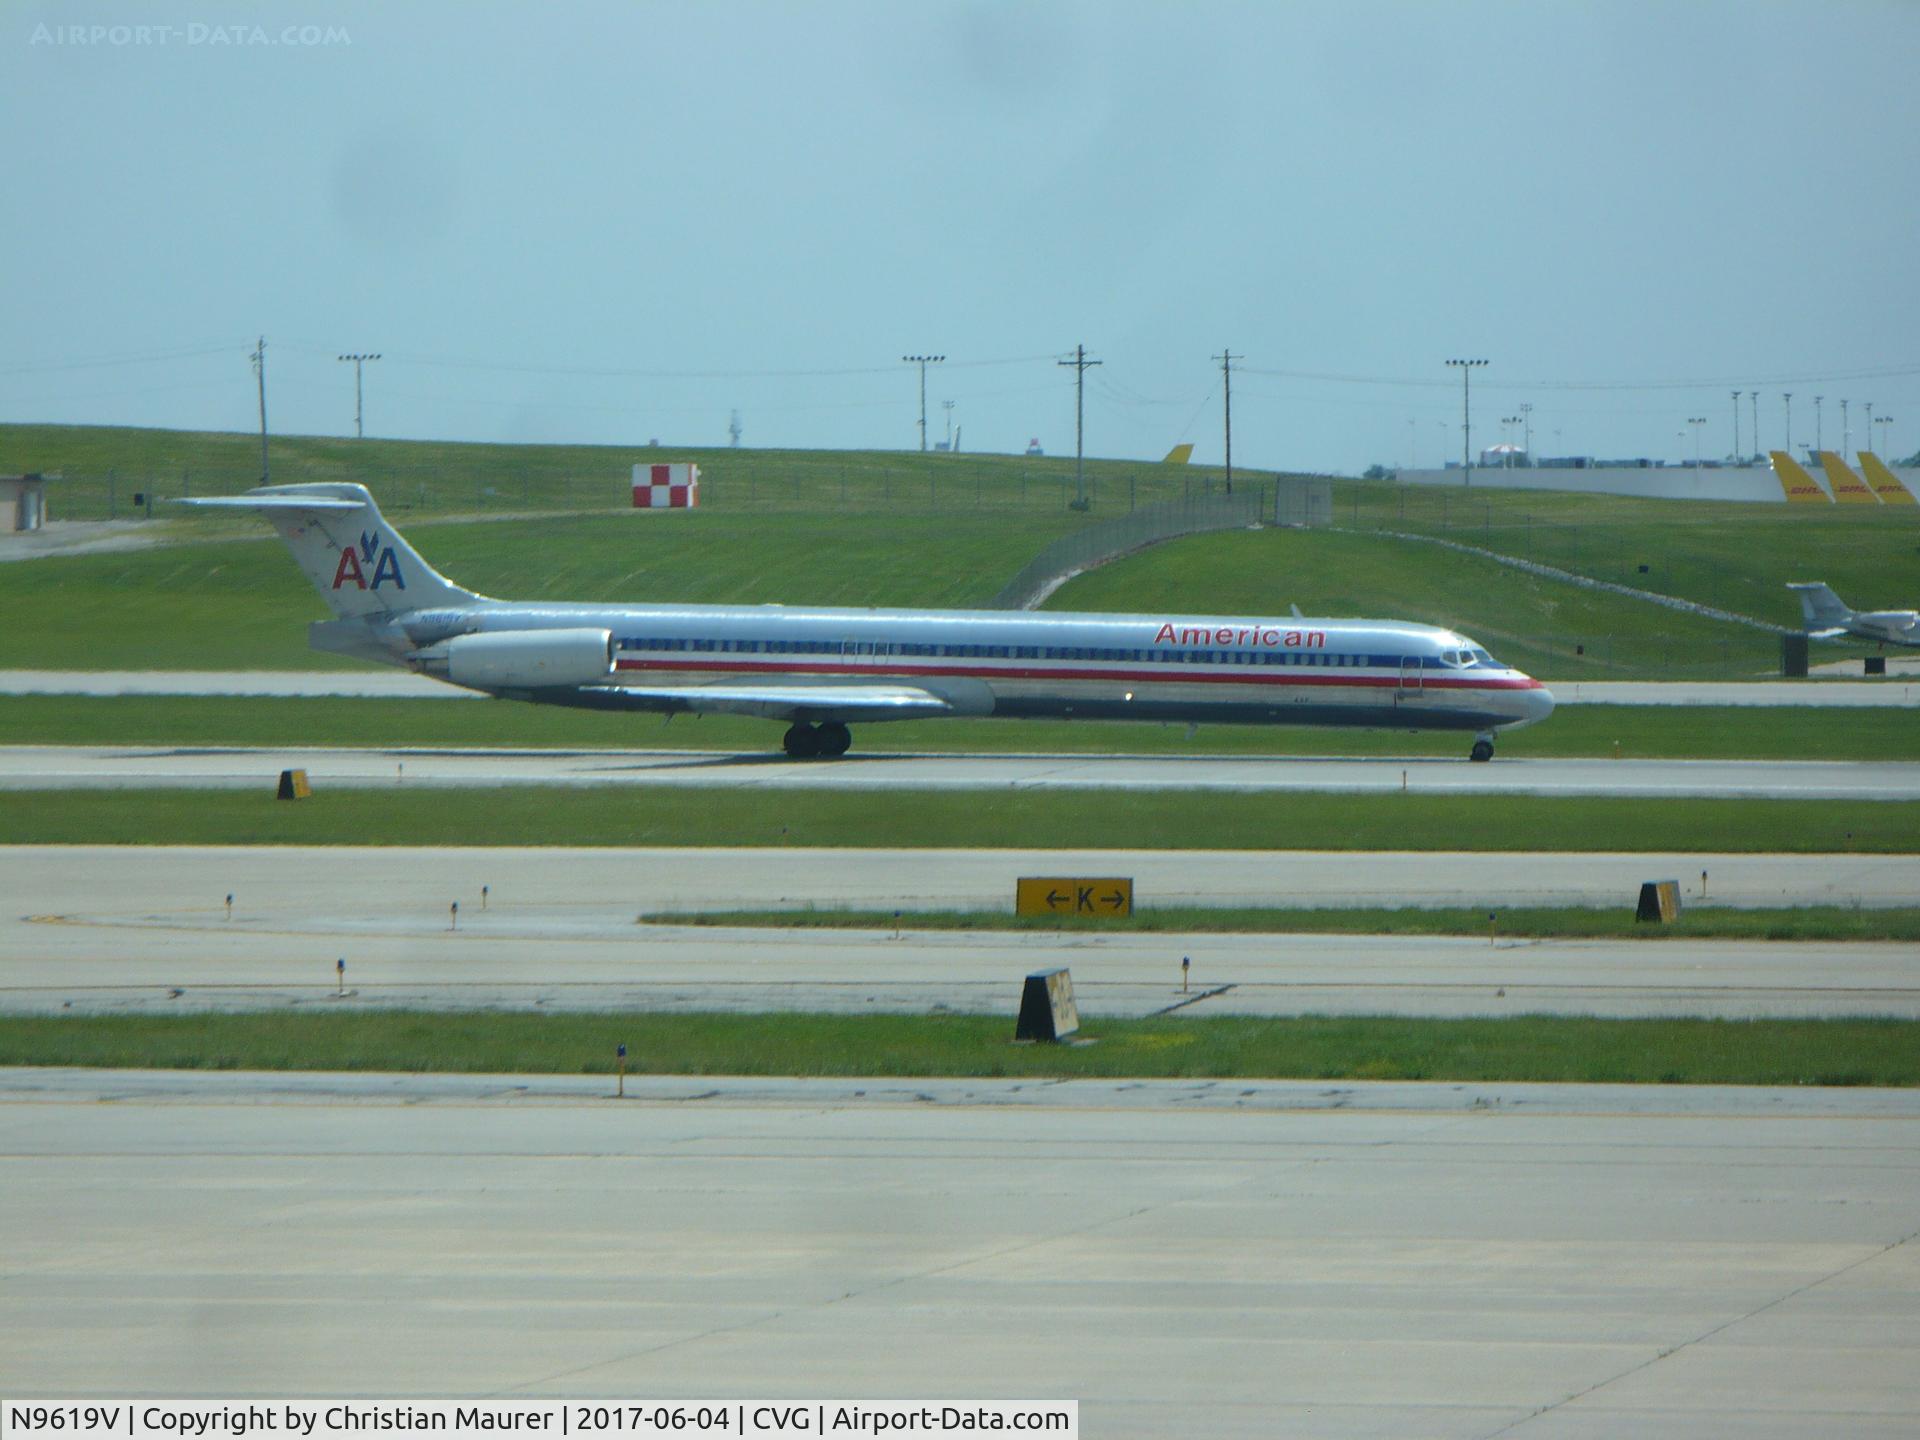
1799	485
1178	455
1885	483
1847	489
363	568
1822	609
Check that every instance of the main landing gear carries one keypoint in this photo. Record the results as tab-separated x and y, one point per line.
1482	748
807	742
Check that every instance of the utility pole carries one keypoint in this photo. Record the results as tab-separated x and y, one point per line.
1736	427
1526	424
1080	362
358	432
1754	396
1886	441
1695	423
259	358
1226	359
1787	396
1466	414
947	405
1869	422
1846	431
923	361
1817	445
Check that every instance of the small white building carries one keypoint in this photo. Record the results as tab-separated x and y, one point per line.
23	502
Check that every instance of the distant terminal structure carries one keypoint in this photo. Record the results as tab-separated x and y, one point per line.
23	502
1760	483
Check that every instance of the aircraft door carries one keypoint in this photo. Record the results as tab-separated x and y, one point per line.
1412	679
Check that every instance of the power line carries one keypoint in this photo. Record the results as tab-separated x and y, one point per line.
1880	372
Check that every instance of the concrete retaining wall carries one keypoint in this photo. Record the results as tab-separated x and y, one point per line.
1673	482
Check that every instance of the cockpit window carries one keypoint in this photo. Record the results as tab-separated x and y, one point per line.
1469	655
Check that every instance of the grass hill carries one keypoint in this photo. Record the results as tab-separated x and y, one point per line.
911	529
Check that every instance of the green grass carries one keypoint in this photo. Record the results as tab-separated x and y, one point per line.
910	529
1697	922
102	467
912	819
1542	626
1643	731
1735	557
1694	1052
234	604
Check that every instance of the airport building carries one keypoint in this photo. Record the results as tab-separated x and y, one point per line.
23	502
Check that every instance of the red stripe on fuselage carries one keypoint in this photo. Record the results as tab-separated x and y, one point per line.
1169	676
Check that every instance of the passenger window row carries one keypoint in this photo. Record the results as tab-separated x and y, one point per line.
1316	659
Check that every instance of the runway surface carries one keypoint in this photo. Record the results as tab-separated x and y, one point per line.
55	767
1182	1258
103	929
1897	689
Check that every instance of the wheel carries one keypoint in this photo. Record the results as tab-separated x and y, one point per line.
1482	750
802	742
835	738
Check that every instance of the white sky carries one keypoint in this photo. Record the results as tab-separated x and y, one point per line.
609	222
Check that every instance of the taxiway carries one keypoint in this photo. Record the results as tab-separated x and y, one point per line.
56	767
1182	1257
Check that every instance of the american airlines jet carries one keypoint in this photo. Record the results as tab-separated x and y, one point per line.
822	670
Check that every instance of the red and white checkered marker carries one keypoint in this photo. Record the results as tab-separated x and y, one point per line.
666	487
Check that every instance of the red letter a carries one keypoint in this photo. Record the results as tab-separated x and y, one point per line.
349	569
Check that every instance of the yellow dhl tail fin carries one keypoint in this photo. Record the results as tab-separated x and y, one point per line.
1798	484
1181	454
1885	483
1847	489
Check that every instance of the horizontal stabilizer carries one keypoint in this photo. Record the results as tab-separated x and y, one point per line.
270	502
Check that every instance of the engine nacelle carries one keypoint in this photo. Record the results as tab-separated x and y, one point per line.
522	659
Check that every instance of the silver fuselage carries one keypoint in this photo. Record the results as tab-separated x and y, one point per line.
1385	674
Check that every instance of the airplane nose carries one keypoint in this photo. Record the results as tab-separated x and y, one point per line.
1539	704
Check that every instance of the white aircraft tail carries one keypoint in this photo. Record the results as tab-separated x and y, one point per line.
1821	608
363	568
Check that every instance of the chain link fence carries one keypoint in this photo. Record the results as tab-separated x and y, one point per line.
1296	501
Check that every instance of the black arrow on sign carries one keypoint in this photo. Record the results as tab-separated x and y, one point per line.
1115	900
1055	899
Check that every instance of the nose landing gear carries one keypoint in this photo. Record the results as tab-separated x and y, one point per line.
806	742
1482	748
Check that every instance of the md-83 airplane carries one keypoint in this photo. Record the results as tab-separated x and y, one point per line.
822	670
1828	617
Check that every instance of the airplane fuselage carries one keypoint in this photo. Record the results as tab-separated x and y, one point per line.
1089	666
823	670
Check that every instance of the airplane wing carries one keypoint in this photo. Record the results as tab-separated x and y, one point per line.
779	702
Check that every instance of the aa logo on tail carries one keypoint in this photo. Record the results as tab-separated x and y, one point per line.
384	561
